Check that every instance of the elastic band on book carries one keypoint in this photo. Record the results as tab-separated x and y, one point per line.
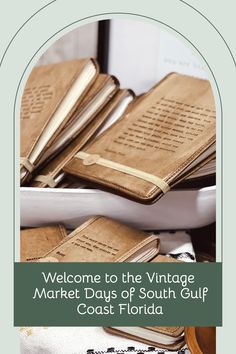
27	164
91	159
48	180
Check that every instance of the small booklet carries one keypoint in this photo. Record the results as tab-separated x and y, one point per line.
101	239
51	96
167	135
35	242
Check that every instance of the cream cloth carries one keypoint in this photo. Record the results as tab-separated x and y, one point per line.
177	244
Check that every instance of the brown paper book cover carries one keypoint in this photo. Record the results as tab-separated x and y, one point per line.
167	135
49	176
51	96
98	96
35	242
101	239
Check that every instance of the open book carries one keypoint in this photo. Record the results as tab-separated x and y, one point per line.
167	135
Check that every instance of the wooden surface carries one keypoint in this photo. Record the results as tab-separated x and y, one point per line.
201	340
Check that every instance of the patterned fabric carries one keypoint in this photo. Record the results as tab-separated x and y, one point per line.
77	340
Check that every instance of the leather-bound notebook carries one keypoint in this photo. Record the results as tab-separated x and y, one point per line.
171	338
169	133
101	239
98	96
51	96
35	242
51	175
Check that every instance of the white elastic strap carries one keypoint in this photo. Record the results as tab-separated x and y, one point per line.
27	164
91	159
48	180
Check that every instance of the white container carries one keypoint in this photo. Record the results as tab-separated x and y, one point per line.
177	210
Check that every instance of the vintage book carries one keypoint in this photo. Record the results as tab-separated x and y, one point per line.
102	239
201	340
164	337
51	96
52	174
168	134
98	96
35	242
171	338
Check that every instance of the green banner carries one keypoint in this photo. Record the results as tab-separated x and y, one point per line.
118	294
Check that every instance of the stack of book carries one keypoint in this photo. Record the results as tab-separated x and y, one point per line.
101	239
79	129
